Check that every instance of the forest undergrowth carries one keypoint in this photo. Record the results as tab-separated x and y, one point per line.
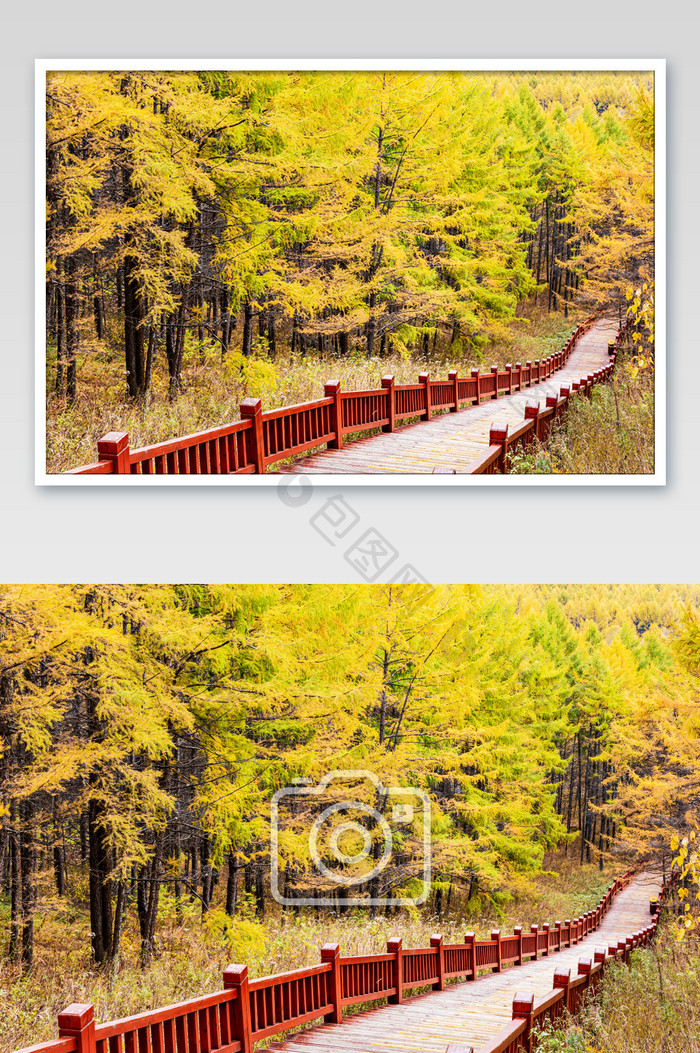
650	1007
612	433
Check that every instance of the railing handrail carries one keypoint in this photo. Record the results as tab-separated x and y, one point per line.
158	1016
274	979
210	452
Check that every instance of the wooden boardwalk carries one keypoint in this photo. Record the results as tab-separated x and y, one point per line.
470	1013
453	440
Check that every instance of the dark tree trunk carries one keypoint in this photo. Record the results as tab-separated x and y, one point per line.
83	836
120	287
100	886
371	324
71	316
232	884
175	343
150	355
60	332
133	326
259	889
58	861
15	890
271	333
247	345
119	912
28	865
206	875
97	300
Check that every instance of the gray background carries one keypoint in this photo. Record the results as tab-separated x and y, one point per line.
241	534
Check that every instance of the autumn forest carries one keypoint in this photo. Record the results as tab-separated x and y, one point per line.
145	730
216	235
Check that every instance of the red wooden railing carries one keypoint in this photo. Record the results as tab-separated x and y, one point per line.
260	439
538	421
530	1013
247	1011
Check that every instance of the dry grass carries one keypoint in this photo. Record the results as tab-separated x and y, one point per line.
213	390
610	434
191	956
651	1007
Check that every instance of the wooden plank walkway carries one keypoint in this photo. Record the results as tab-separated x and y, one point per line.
453	440
469	1012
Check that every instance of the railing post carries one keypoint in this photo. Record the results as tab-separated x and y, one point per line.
469	939
424	378
584	969
114	447
436	941
528	367
622	948
557	926
612	950
395	946
599	954
236	976
552	402
545	926
494	372
330	952
536	365
77	1021
454	377
567	923
518	931
251	409
498	436
332	391
388	382
496	935
562	979
519	371
509	371
523	1006
564	391
475	376
535	929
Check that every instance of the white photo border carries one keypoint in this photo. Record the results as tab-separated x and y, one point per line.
655	66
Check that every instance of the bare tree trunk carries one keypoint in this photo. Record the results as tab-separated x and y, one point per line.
28	864
247	345
15	896
232	884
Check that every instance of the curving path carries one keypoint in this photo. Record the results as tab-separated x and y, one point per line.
453	440
470	1013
